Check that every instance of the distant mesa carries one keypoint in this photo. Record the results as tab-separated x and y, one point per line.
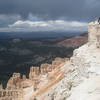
74	41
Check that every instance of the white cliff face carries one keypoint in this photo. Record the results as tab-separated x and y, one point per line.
88	61
89	89
90	56
82	75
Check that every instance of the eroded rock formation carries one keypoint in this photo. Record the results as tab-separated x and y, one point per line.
22	88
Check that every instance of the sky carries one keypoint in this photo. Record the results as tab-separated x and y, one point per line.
47	15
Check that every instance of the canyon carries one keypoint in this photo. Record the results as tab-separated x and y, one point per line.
74	78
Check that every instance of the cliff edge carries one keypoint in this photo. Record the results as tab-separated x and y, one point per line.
82	74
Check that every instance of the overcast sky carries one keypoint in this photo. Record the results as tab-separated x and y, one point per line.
24	15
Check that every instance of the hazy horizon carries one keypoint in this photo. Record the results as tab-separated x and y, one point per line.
36	35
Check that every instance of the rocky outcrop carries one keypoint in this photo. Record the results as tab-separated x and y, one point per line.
81	73
19	87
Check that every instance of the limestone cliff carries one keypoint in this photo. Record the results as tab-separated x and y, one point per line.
76	78
81	73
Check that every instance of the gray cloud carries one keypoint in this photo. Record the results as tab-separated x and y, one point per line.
57	25
52	9
5	20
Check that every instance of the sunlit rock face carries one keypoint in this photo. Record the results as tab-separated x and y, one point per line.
76	78
39	81
88	55
81	73
87	59
89	89
94	33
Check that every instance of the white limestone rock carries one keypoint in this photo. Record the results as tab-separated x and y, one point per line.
89	89
84	72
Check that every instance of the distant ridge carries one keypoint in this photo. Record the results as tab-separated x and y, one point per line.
74	41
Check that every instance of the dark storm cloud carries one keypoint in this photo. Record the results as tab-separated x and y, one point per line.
69	9
5	20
